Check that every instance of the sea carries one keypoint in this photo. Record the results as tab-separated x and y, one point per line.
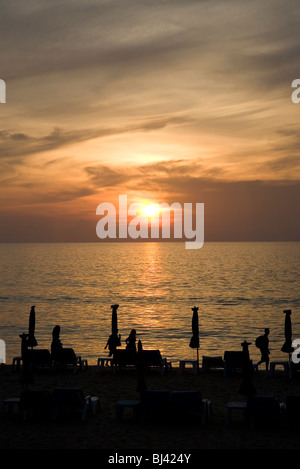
239	288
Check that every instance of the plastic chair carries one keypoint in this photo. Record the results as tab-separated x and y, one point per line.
69	401
263	410
189	405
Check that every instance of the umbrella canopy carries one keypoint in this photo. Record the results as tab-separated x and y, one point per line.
31	341
114	319
194	343
141	383
287	346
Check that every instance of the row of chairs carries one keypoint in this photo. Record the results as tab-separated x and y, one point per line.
58	403
42	358
166	406
160	405
269	410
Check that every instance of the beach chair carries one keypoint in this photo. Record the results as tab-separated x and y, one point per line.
64	358
35	404
233	361
153	359
292	412
123	358
189	405
264	410
38	358
155	404
71	402
212	362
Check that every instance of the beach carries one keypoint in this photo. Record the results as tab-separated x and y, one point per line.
102	432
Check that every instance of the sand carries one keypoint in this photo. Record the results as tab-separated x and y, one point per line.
102	432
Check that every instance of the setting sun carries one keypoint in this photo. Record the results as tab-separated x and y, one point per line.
151	210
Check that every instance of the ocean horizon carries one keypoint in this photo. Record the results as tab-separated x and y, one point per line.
239	287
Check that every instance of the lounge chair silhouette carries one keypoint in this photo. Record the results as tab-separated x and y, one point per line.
264	410
72	402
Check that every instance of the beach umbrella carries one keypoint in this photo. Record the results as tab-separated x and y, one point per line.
194	342
287	346
247	388
114	326
31	341
114	319
141	383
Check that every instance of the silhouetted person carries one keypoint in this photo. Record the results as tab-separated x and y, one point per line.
131	339
56	345
113	342
60	355
262	342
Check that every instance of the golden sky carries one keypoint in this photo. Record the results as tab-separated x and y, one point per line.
164	101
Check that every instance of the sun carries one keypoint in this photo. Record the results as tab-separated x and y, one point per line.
150	210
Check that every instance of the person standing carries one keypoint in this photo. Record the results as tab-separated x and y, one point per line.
262	342
131	340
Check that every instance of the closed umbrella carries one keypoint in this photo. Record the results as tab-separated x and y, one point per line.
194	342
114	319
114	326
287	346
31	341
141	383
114	339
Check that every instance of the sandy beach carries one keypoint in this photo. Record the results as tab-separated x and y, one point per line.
103	432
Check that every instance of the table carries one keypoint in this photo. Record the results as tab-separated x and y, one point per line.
194	364
234	405
134	405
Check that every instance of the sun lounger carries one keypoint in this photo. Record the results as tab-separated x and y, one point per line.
189	405
71	401
129	357
233	361
35	404
175	406
264	410
64	358
38	358
291	409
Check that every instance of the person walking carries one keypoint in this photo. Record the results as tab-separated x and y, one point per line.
262	342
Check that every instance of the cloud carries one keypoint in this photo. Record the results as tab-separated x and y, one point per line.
181	99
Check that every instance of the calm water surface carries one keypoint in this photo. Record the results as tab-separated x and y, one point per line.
240	288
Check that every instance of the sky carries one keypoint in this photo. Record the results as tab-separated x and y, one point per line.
165	101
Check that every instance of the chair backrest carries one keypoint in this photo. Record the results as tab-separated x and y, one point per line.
234	358
34	398
68	356
262	407
125	357
152	358
212	362
292	409
186	399
70	396
38	357
156	399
